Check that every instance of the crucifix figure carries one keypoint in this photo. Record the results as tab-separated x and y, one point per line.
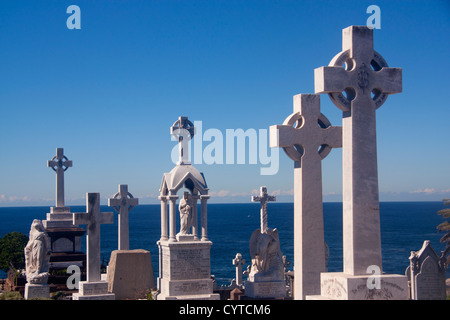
263	198
358	90
123	202
307	137
93	218
59	164
183	130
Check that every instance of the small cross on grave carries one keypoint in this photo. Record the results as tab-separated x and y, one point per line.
60	164
358	89
123	202
183	130
93	218
307	137
238	262
263	198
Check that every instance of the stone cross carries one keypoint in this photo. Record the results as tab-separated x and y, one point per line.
93	218
59	164
307	137
358	90
123	202
263	198
183	130
238	262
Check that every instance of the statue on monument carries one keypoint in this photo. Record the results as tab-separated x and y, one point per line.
267	258
185	207
37	254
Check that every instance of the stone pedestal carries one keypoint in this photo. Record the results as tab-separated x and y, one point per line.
97	290
65	239
185	271
341	286
36	291
130	274
265	289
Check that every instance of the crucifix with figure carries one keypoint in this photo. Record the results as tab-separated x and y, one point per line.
59	164
358	89
263	198
307	137
123	202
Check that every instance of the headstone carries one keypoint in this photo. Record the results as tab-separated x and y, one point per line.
123	202
307	137
358	90
130	274
184	258
65	237
238	262
427	272
266	276
37	257
93	288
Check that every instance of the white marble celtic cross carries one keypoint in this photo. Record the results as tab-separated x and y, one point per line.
238	262
307	137
358	90
123	202
93	218
263	198
183	130
59	164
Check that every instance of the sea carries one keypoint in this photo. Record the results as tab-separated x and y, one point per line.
404	228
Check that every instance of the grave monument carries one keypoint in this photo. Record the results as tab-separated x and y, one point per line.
184	258
65	237
93	288
307	137
123	202
358	88
37	257
426	274
266	276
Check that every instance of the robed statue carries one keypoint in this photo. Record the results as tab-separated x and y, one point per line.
37	254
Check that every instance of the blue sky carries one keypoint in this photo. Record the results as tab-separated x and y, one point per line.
109	92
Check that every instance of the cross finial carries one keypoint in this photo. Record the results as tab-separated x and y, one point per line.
59	164
263	198
183	130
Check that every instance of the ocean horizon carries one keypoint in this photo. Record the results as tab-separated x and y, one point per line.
404	228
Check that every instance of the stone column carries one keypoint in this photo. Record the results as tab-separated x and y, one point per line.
172	217
194	217
163	217
204	216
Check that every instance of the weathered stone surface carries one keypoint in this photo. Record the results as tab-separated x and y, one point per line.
130	274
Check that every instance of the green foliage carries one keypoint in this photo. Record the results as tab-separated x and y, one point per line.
11	295
11	250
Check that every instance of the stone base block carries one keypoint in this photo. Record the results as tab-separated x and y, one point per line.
341	286
265	289
210	296
130	273
36	291
97	290
186	287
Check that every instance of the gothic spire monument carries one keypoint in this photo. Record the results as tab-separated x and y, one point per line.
184	256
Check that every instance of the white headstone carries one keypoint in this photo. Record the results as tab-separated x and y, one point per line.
60	164
263	198
123	202
366	74
358	90
238	262
427	274
307	137
93	288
